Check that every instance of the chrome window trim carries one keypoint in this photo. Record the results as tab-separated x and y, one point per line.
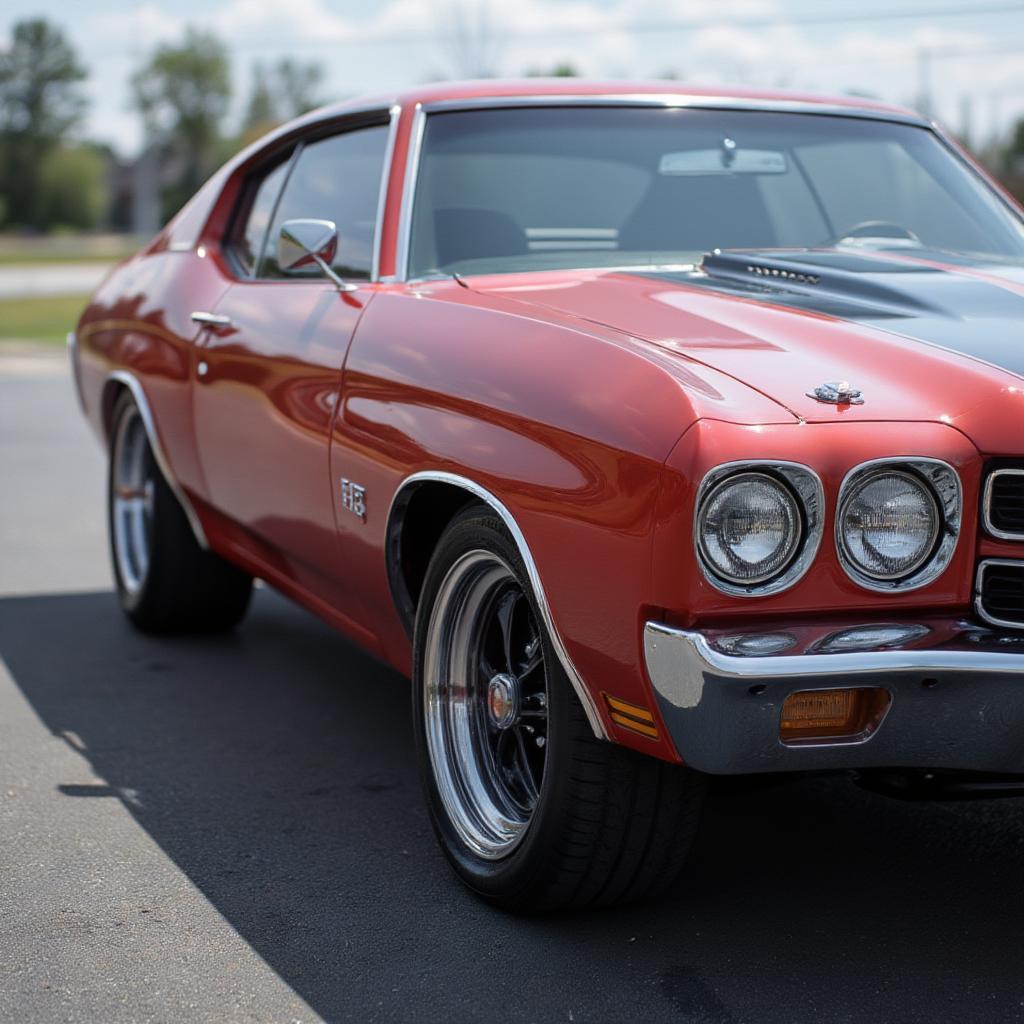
682	101
939	475
810	494
986	505
394	113
979	608
139	395
671	100
412	170
342	122
454	479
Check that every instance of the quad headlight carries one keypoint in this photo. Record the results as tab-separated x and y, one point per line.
888	524
897	522
757	526
749	528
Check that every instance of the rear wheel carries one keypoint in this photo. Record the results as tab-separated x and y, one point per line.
165	580
531	810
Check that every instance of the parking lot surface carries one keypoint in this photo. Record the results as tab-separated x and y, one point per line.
231	829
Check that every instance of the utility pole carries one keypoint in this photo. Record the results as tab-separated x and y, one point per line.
966	119
924	81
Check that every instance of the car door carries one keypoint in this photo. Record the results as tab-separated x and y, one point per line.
270	359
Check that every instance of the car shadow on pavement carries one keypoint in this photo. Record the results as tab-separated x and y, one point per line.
275	768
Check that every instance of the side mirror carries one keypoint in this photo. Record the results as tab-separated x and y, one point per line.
306	242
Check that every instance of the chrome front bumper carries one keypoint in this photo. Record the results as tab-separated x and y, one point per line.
957	695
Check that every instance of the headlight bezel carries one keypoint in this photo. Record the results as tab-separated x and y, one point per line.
941	481
808	493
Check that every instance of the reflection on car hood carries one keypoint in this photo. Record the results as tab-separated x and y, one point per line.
924	337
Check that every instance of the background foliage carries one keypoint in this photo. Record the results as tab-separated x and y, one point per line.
51	178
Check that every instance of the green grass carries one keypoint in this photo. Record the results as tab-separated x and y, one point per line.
40	318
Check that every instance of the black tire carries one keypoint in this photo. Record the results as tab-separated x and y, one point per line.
180	587
609	825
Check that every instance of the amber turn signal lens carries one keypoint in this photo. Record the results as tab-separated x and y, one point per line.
631	716
833	716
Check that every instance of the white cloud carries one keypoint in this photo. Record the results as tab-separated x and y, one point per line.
141	27
293	21
369	47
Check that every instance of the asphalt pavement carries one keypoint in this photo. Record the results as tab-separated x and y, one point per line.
231	829
19	281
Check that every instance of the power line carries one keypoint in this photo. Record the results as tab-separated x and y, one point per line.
646	27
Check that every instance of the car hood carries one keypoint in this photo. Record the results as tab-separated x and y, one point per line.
924	338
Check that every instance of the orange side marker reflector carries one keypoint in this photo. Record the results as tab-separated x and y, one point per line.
833	716
631	716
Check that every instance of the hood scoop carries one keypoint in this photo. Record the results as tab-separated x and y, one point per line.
828	278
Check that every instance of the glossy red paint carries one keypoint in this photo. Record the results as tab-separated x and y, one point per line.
591	404
262	414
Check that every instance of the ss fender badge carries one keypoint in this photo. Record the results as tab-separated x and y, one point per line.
353	498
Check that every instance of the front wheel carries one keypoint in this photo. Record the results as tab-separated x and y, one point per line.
531	810
165	581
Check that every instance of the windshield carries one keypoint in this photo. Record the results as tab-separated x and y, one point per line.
537	188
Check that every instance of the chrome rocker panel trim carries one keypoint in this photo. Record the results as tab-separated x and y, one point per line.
133	385
589	706
958	704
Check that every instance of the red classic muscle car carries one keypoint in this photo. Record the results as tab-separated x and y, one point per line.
654	435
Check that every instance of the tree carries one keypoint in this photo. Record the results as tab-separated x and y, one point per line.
1010	166
1015	152
73	188
297	87
279	93
183	93
563	69
41	103
261	112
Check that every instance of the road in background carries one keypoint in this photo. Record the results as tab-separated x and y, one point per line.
230	829
26	279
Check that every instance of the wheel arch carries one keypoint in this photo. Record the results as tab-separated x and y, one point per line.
421	509
118	382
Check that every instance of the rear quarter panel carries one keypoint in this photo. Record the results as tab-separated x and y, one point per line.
139	322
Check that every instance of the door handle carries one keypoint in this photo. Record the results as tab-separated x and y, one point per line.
211	319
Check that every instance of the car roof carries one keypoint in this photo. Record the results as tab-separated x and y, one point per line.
495	91
673	92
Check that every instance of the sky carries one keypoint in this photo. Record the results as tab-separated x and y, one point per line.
969	52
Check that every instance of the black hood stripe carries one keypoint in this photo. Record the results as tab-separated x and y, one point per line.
980	315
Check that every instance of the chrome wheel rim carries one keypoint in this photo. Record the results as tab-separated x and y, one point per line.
132	488
485	704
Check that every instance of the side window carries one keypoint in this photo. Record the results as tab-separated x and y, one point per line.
335	179
250	228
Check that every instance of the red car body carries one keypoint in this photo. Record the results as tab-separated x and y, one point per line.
586	404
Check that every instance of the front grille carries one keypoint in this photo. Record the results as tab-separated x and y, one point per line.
1001	592
1004	503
